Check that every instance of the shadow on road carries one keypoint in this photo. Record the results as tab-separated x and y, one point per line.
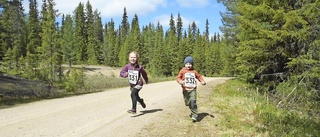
202	115
147	111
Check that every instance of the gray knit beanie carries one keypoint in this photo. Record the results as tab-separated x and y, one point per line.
188	59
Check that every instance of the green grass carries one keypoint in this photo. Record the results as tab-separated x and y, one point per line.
30	91
244	112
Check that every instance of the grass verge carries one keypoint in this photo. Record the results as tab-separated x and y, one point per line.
244	112
15	91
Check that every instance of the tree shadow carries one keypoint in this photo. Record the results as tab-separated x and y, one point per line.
147	111
203	115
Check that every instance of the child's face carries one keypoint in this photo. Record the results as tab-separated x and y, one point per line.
132	58
188	65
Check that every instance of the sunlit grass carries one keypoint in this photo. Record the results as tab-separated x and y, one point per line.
27	93
244	112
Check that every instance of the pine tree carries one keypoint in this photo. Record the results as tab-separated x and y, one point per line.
207	33
80	34
14	34
118	47
125	40
98	34
34	40
124	51
3	49
179	28
68	41
104	46
199	49
135	35
181	46
207	67
92	43
148	40
304	63
49	51
125	27
111	48
158	61
229	30
171	49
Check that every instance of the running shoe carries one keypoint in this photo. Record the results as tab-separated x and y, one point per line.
132	111
194	119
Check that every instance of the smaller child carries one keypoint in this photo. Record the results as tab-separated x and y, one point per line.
133	71
187	79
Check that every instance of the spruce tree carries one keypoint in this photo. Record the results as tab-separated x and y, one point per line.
124	39
92	43
34	40
80	34
229	30
125	27
171	49
111	49
135	37
148	40
3	49
49	50
68	41
181	46
158	61
14	35
98	35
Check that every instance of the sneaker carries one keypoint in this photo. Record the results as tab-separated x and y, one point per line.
132	111
194	119
142	103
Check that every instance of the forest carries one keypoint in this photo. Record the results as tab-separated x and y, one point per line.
271	44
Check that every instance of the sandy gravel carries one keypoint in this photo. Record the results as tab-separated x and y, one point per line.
100	114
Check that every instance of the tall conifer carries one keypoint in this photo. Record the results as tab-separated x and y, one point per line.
34	39
92	43
80	34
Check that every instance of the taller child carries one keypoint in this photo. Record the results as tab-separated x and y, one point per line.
187	79
133	71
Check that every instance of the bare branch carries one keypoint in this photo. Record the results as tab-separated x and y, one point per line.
291	92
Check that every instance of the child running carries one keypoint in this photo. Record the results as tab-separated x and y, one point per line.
187	79
133	71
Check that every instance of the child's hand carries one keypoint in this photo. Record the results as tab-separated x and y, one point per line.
203	83
181	82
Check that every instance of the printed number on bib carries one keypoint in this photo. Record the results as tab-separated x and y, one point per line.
133	76
190	80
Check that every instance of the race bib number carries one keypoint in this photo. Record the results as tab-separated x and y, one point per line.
133	76
190	80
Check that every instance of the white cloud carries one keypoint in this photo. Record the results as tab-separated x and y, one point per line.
164	20
108	8
139	7
193	3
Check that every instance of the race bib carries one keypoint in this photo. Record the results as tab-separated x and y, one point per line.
190	80
133	76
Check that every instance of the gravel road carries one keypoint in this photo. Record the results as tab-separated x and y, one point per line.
100	114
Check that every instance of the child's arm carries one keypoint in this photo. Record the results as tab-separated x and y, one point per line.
144	75
179	78
200	78
124	72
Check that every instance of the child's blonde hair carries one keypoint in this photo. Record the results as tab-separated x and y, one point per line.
137	55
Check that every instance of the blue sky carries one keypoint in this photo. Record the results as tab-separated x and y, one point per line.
150	11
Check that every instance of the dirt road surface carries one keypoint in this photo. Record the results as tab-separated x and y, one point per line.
100	114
